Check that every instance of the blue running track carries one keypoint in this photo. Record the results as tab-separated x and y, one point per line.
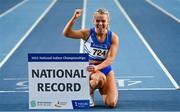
147	65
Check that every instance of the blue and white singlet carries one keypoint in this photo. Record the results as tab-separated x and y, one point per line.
97	50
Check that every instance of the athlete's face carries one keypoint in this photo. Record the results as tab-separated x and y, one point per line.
101	23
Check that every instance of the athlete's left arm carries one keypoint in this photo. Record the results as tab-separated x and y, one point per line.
111	54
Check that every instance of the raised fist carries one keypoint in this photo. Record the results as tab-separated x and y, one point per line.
77	13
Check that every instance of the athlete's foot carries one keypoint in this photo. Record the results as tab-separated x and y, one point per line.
92	101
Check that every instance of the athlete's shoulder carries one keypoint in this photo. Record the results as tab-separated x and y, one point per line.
115	37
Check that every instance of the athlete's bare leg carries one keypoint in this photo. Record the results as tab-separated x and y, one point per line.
109	91
97	80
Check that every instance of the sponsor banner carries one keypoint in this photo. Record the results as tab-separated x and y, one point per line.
78	104
58	81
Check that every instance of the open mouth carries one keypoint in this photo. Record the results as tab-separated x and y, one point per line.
100	27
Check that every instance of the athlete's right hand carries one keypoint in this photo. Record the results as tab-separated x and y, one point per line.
77	13
92	68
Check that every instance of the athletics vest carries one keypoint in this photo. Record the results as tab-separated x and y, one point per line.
97	50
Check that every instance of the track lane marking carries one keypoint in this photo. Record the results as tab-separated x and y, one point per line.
147	45
13	8
27	33
163	10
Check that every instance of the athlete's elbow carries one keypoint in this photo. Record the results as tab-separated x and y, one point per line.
65	33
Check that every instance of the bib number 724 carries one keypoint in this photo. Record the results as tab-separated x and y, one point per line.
99	52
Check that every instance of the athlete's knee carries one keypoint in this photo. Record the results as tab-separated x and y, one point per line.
94	78
102	81
111	103
93	82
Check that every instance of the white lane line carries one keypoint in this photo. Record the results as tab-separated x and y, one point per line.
13	8
83	24
147	89
14	91
147	45
15	79
163	10
27	33
122	77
